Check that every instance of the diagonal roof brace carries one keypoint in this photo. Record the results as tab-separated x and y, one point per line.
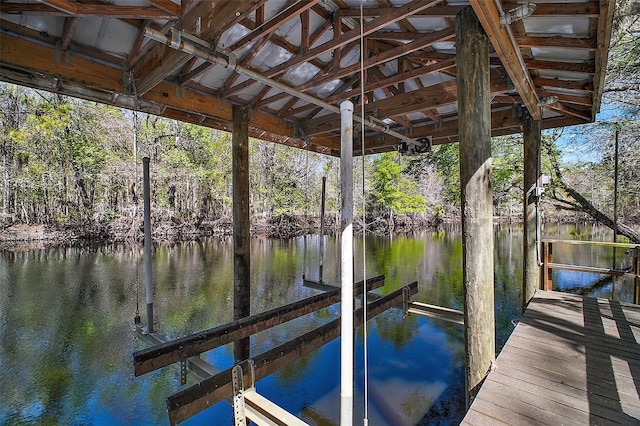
192	45
489	13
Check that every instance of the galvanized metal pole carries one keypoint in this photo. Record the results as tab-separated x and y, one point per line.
474	106
147	243
346	263
322	205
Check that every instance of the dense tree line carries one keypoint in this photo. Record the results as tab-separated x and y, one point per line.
66	161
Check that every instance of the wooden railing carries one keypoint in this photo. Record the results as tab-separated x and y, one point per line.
631	250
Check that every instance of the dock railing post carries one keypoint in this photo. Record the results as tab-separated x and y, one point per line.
322	206
636	262
547	251
346	263
147	243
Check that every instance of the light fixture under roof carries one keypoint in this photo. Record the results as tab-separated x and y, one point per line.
517	14
547	101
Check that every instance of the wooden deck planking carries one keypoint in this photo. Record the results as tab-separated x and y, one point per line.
571	360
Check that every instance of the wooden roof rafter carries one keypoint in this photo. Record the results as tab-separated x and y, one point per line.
72	8
509	54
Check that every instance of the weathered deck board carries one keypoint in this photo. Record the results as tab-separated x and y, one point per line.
571	360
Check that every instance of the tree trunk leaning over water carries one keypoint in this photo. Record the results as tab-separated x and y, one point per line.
572	200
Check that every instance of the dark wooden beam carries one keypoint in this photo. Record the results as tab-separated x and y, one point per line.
304	31
567	110
67	32
208	392
590	9
604	40
69	8
509	54
168	6
586	68
583	85
66	6
136	52
586	101
557	42
432	12
156	357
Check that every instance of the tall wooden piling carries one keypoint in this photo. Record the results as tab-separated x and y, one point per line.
472	57
531	272
241	224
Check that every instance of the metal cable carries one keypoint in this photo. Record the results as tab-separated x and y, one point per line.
365	421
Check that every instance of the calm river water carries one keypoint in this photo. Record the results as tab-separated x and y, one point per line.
67	334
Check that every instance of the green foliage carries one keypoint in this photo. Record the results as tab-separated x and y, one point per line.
391	190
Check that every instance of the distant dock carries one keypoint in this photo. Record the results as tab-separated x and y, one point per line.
571	360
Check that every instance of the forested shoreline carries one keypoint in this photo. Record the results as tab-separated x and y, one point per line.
71	170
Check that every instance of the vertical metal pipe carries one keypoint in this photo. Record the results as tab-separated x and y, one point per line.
147	243
322	205
615	197
346	263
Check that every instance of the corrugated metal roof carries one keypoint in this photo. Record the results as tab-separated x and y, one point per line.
562	45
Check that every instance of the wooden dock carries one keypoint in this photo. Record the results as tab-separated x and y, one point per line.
571	360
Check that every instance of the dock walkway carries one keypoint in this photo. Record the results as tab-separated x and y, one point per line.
571	360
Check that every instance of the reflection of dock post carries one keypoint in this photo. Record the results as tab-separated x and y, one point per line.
531	136
147	243
346	263
472	57
241	225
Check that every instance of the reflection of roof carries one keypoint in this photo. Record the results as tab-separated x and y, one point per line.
99	51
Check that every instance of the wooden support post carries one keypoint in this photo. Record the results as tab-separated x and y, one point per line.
474	106
241	225
531	270
547	253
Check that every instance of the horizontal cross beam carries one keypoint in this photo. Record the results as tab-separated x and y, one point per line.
151	359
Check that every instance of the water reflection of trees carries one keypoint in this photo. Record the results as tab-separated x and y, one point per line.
70	311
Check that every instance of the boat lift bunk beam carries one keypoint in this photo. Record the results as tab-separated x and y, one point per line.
164	354
210	391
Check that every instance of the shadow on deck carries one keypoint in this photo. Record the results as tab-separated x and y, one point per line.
571	360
